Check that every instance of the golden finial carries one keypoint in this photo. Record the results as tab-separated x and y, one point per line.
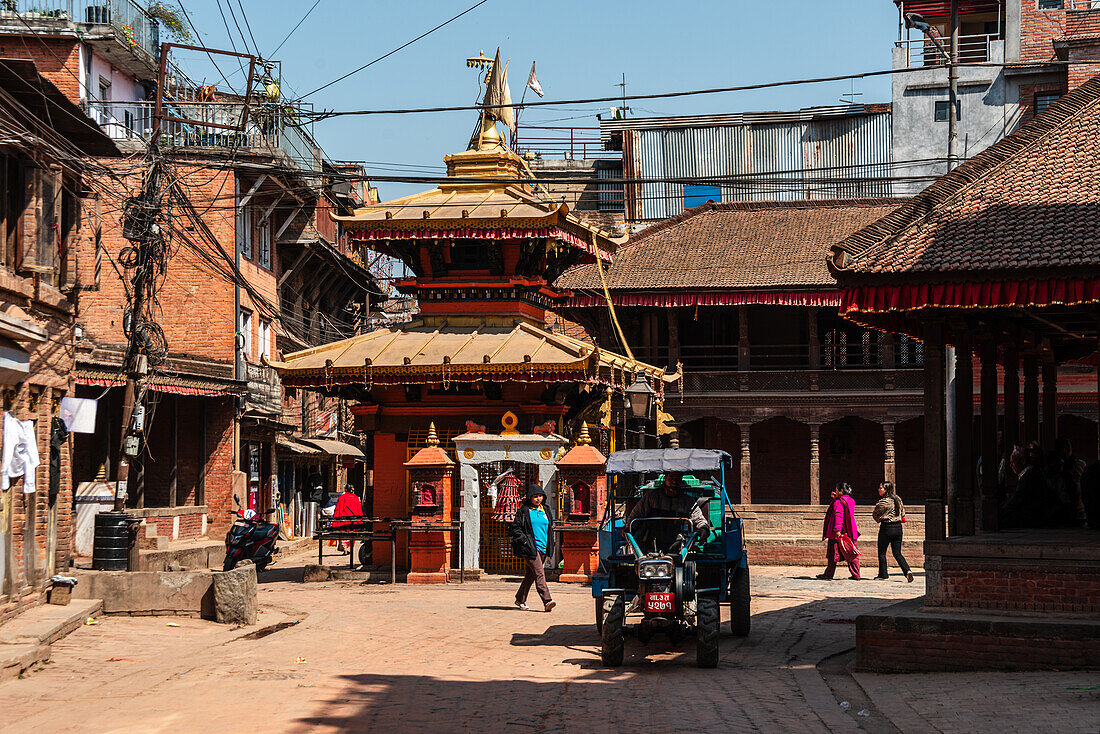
433	438
480	61
584	439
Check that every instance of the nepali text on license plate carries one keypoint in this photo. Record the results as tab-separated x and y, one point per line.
658	601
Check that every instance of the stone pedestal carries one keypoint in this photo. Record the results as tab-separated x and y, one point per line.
431	473
584	485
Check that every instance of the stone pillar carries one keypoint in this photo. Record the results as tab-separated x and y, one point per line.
673	316
990	460
934	374
815	463
889	453
743	338
1049	428
961	517
746	464
1012	397
1031	398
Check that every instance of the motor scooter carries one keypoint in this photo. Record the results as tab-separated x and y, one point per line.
250	537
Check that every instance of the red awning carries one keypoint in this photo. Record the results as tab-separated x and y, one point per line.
990	294
477	233
664	300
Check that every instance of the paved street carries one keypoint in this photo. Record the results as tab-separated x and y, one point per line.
460	658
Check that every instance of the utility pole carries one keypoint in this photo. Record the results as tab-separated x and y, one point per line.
951	468
622	85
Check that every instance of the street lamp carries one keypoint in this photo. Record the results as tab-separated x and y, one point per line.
639	397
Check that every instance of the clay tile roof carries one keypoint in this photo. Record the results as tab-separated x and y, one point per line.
737	245
1031	201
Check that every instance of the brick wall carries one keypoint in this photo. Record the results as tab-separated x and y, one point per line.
1034	589
1037	29
57	59
1027	101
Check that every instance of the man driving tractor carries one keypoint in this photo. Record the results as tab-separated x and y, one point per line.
667	499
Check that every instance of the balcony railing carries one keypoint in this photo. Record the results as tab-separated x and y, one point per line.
568	143
127	17
801	381
972	50
1082	4
268	126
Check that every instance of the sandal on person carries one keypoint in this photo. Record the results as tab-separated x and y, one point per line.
909	577
823	577
523	606
550	605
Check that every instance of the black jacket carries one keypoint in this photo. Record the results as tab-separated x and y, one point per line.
521	533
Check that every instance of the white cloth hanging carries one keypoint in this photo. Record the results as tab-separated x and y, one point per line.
20	455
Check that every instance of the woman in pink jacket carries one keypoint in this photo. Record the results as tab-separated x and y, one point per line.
840	519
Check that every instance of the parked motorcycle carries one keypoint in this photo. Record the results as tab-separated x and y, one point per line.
250	537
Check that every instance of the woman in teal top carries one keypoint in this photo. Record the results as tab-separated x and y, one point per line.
533	541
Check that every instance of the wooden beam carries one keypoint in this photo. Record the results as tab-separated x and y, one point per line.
990	460
248	197
286	224
267	212
962	517
306	253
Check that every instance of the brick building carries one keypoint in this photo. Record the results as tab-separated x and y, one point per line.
255	266
1017	57
44	171
739	295
998	260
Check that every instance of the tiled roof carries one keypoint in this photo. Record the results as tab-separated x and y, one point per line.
1031	201
737	245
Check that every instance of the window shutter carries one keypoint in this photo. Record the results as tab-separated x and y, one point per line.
41	238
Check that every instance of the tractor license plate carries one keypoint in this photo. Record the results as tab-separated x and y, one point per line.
659	602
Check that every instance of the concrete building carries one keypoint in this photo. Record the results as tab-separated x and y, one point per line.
1017	58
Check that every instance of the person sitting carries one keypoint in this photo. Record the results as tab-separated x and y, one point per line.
668	499
347	506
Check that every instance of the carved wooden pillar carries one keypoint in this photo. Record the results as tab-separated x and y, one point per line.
815	463
1049	429
746	465
815	341
990	460
673	316
889	453
1012	397
961	517
743	338
1031	398
889	352
935	528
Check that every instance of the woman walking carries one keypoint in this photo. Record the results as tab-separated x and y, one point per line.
889	513
840	520
533	542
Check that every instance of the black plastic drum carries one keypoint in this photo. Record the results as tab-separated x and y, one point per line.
113	536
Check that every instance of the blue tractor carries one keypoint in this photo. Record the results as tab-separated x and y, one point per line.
658	576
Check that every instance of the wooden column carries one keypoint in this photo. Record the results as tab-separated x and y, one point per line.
815	340
1049	428
990	461
746	465
815	463
1012	397
962	511
743	338
889	352
673	316
889	453
934	397
200	491
1031	398
173	457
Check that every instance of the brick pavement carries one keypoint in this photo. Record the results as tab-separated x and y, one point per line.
460	658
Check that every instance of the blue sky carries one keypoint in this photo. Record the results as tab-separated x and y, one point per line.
582	49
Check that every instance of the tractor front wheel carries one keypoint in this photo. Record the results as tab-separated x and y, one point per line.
708	622
613	638
740	616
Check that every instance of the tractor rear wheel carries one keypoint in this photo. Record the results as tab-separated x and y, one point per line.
708	623
740	616
613	639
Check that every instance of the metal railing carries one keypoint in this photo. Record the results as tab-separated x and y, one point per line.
268	126
972	50
127	17
568	143
1082	4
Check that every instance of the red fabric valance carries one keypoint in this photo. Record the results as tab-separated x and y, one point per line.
828	299
476	233
990	294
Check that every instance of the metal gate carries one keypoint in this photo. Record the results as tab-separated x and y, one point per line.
494	546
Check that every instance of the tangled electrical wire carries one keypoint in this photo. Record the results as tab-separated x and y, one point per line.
147	256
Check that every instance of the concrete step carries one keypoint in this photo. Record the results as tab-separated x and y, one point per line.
25	641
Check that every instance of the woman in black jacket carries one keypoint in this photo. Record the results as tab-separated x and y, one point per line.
533	540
